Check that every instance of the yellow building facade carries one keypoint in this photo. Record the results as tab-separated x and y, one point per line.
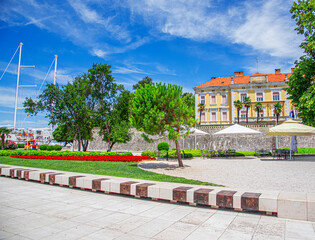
218	96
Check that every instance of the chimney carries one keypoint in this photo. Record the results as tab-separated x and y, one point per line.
277	71
232	80
292	70
240	73
213	78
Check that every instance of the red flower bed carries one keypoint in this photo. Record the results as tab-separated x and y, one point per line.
116	158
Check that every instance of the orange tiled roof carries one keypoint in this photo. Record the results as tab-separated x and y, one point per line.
225	81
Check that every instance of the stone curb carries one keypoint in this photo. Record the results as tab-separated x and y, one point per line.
299	206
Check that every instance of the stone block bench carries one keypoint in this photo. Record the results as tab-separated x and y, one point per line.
299	206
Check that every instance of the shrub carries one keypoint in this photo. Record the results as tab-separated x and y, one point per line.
148	153
50	147
43	147
57	147
11	145
21	145
163	146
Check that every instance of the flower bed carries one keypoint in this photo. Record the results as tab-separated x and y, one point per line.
116	158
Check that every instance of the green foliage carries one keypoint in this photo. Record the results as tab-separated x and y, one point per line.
43	147
302	81
160	108
189	99
21	145
306	150
148	153
258	109
163	146
58	153
63	133
201	107
277	110
142	82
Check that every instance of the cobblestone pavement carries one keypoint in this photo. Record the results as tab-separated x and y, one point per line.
31	210
247	173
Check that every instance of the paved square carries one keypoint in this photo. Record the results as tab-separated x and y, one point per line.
31	210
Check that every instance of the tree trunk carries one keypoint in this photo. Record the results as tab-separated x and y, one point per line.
85	144
238	116
277	116
180	162
257	116
110	146
199	117
2	141
79	145
247	115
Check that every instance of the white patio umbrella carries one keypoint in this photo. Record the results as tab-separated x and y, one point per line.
237	129
291	128
195	132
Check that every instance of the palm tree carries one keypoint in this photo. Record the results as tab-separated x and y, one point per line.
278	110
258	108
3	133
201	107
238	104
247	102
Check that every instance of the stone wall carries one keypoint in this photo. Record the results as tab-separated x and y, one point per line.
216	142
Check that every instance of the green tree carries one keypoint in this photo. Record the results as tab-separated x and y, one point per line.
247	102
70	105
189	98
142	82
277	110
160	108
201	107
63	133
3	133
238	104
302	81
113	105
258	109
116	127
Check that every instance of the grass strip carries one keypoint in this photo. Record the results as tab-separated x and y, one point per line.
116	169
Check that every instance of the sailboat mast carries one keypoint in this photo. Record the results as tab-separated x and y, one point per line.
17	86
55	72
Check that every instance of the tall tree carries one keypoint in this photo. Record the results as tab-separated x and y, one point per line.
258	109
70	105
302	81
3	133
238	104
63	133
247	102
189	98
277	110
159	108
142	82
113	105
201	107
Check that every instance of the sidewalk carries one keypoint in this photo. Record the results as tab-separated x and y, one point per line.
30	210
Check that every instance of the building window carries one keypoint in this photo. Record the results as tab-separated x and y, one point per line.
259	97
243	96
203	99
224	102
203	117
243	114
213	116
275	96
224	116
213	101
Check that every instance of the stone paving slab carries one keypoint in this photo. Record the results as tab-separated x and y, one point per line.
31	210
299	206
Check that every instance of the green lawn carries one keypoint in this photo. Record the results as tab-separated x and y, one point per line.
117	169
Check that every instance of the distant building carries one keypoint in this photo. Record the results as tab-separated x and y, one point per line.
219	95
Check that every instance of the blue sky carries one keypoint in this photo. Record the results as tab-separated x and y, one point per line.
172	41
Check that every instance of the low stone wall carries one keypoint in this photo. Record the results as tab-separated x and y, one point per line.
216	142
299	206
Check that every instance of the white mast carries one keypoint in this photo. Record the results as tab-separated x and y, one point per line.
55	73
17	86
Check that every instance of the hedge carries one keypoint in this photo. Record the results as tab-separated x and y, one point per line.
163	146
58	153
